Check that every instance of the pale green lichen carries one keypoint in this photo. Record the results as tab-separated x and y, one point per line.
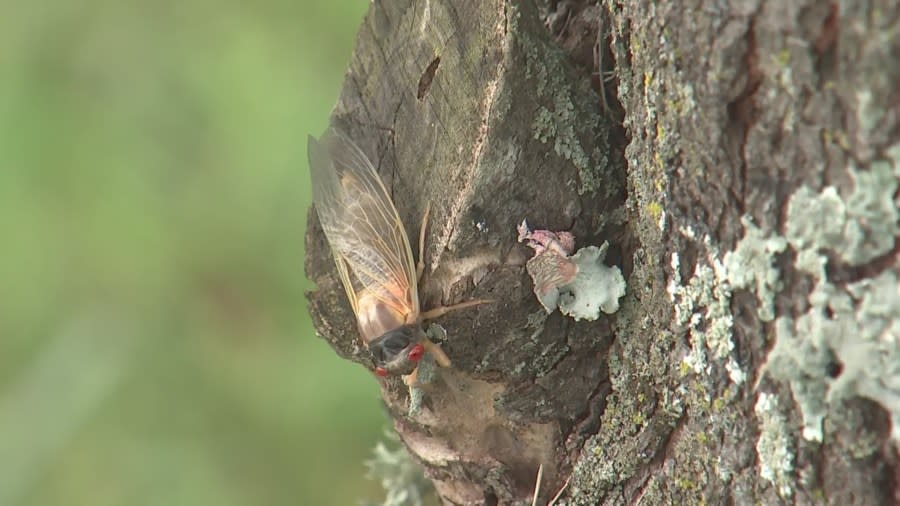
704	305
558	126
815	220
544	125
870	112
566	115
776	459
401	477
856	325
859	229
859	327
750	265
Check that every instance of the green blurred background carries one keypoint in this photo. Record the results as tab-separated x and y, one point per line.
155	346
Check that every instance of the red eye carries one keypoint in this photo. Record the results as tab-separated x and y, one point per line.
416	353
381	371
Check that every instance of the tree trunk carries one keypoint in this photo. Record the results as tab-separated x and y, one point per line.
742	161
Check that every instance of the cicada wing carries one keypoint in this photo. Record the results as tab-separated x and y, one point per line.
368	240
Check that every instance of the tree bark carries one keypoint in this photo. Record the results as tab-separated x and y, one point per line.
742	162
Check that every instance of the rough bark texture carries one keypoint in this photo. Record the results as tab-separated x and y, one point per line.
712	118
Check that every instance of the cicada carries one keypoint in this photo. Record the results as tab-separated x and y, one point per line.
373	255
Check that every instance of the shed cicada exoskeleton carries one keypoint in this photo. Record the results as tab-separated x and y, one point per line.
373	256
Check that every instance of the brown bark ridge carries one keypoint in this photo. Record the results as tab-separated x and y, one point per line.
755	358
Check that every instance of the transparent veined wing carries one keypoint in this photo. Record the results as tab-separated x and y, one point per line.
368	240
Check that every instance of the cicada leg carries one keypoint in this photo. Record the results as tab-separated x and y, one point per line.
420	269
420	266
440	357
435	349
442	310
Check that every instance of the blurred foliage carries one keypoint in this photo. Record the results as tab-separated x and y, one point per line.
401	477
155	346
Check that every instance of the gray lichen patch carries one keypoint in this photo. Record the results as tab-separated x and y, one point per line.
560	121
860	228
703	304
750	265
858	327
557	126
620	450
776	458
855	325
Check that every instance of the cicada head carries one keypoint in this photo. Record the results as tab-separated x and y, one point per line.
398	351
